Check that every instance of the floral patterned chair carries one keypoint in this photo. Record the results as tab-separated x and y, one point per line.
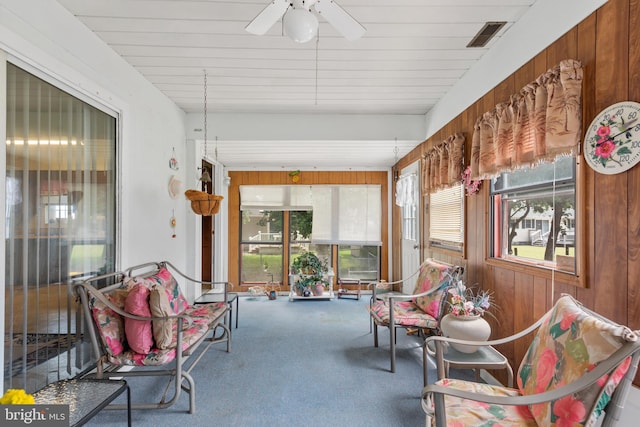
421	310
577	372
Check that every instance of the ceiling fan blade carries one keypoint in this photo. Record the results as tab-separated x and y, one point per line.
269	16
340	19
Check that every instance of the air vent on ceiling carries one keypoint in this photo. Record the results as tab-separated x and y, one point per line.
487	32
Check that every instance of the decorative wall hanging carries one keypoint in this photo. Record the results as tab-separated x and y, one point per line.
472	186
173	161
203	203
295	176
612	141
175	186
173	223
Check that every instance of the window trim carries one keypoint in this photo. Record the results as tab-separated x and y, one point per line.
577	278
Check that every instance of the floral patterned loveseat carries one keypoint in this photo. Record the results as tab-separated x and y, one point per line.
145	321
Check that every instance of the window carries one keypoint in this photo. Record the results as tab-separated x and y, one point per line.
261	246
533	213
446	218
300	226
319	219
359	262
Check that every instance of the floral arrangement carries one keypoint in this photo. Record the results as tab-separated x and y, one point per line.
15	396
472	186
464	302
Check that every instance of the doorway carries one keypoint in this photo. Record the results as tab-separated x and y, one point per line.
208	228
409	195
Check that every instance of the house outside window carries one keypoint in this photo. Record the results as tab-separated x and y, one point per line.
533	215
262	246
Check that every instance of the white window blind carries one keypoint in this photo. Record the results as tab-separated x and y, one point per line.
342	214
446	217
347	214
276	197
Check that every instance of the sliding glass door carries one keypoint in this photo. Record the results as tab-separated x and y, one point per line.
59	223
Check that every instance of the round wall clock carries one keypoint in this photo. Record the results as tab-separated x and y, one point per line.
612	141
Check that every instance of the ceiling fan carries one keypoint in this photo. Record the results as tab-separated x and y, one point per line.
300	24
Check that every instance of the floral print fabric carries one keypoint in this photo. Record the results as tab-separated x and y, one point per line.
569	343
406	314
111	325
202	319
432	275
465	413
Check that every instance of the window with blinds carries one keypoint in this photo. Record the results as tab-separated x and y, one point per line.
446	218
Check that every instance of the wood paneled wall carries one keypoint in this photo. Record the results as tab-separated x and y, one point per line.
305	178
608	45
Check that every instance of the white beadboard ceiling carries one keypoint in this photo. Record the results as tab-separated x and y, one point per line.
412	53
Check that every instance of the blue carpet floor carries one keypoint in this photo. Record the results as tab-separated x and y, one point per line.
295	363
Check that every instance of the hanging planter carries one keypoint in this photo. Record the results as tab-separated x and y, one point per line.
202	203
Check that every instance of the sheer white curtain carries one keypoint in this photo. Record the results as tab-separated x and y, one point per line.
407	197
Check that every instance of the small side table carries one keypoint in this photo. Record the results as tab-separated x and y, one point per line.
213	296
344	292
85	397
486	357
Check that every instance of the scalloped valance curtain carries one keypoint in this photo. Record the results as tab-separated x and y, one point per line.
539	123
442	165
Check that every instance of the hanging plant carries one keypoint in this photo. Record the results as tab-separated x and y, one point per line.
202	203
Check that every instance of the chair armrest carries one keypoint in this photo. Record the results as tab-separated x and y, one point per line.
603	368
510	338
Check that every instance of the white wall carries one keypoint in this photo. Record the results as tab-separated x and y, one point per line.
42	36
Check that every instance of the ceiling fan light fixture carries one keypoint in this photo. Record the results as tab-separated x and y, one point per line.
300	25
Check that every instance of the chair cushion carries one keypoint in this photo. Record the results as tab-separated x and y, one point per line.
432	274
406	314
203	318
569	343
110	324
462	412
160	307
164	278
138	332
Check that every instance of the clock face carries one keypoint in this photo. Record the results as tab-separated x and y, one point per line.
612	141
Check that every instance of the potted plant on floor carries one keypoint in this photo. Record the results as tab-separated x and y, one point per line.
310	270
